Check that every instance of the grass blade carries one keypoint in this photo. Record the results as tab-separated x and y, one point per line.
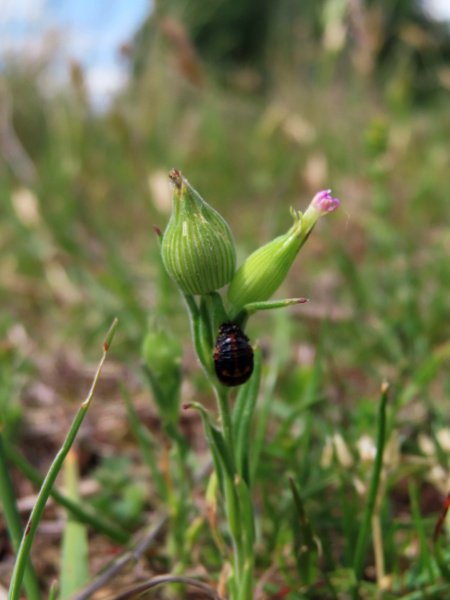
36	513
13	523
52	592
364	531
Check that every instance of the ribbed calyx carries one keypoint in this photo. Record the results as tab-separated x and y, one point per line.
265	270
197	248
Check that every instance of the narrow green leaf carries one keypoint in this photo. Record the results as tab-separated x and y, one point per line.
52	592
247	514
211	507
13	523
36	513
214	452
223	463
222	450
363	537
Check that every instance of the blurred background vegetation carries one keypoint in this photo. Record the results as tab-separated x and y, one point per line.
260	105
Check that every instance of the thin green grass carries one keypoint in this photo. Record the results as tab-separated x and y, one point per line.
377	280
35	516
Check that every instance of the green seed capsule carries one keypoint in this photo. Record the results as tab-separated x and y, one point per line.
198	248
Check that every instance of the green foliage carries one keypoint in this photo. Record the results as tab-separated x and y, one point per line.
80	248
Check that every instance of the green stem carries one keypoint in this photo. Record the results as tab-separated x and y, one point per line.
223	399
364	531
198	327
231	497
248	538
33	522
13	523
204	321
232	508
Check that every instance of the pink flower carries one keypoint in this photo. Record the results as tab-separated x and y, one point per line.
324	202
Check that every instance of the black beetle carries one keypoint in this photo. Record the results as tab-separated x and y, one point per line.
233	355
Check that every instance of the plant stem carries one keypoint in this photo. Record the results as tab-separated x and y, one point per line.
223	398
231	497
203	323
13	523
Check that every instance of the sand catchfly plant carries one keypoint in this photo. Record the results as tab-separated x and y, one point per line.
198	253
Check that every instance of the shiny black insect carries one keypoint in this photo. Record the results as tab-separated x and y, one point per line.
233	355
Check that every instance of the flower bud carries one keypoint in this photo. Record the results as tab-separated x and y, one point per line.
265	270
198	248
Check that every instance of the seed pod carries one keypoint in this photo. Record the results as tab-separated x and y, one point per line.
198	248
233	356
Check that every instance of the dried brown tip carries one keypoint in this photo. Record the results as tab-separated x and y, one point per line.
176	177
